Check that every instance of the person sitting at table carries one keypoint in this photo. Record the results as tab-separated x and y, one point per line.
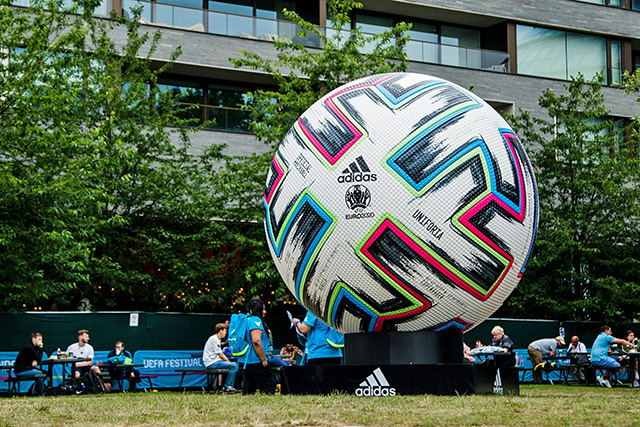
214	358
82	349
288	353
466	353
119	356
630	362
600	355
500	339
27	360
580	361
539	348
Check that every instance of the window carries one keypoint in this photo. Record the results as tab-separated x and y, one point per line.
438	44
559	54
224	104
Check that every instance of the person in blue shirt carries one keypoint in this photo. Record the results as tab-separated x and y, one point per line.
600	355
318	350
257	373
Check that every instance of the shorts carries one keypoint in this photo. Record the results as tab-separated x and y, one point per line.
606	362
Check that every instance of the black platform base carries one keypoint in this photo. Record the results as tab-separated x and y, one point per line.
397	380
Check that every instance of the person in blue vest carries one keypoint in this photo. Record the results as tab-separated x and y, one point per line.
257	373
318	349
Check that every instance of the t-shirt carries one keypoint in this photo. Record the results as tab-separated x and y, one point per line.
600	347
211	350
545	345
317	346
256	323
86	351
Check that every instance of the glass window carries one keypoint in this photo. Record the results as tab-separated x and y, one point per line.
372	25
224	106
541	52
616	62
558	54
423	45
586	55
186	95
455	46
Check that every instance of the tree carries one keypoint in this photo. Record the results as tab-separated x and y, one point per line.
585	263
303	76
101	203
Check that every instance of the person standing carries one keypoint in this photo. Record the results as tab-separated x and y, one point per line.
539	348
214	358
28	358
256	374
317	349
600	355
82	349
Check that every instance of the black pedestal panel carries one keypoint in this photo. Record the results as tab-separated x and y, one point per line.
403	348
398	380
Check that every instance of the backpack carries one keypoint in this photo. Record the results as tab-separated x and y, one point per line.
335	338
92	383
238	326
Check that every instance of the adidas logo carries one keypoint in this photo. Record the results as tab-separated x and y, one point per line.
357	171
375	385
497	384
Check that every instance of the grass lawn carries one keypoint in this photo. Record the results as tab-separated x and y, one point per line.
545	405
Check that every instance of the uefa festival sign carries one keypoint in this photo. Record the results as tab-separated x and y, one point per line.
401	202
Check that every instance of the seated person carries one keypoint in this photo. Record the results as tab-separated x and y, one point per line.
82	349
466	352
119	356
631	363
214	358
27	360
580	361
288	353
503	341
600	355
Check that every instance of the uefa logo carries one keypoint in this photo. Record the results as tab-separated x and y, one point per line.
357	196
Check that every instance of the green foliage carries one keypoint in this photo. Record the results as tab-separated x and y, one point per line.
584	266
101	202
303	76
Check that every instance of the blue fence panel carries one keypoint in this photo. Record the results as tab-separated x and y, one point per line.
164	362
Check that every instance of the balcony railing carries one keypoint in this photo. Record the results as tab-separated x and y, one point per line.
253	27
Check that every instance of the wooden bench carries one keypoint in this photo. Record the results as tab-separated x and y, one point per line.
147	377
14	382
210	373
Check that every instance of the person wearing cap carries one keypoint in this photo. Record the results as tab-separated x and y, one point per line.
600	355
538	348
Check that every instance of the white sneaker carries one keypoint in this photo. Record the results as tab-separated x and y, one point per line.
600	381
606	383
635	384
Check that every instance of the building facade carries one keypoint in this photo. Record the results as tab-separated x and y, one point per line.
508	51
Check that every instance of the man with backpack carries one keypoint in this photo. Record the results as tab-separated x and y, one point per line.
324	344
248	341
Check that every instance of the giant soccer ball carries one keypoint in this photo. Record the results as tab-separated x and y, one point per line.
400	202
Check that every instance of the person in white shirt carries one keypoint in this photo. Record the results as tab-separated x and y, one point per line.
214	358
82	349
579	358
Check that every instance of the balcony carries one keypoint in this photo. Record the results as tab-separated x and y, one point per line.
257	28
